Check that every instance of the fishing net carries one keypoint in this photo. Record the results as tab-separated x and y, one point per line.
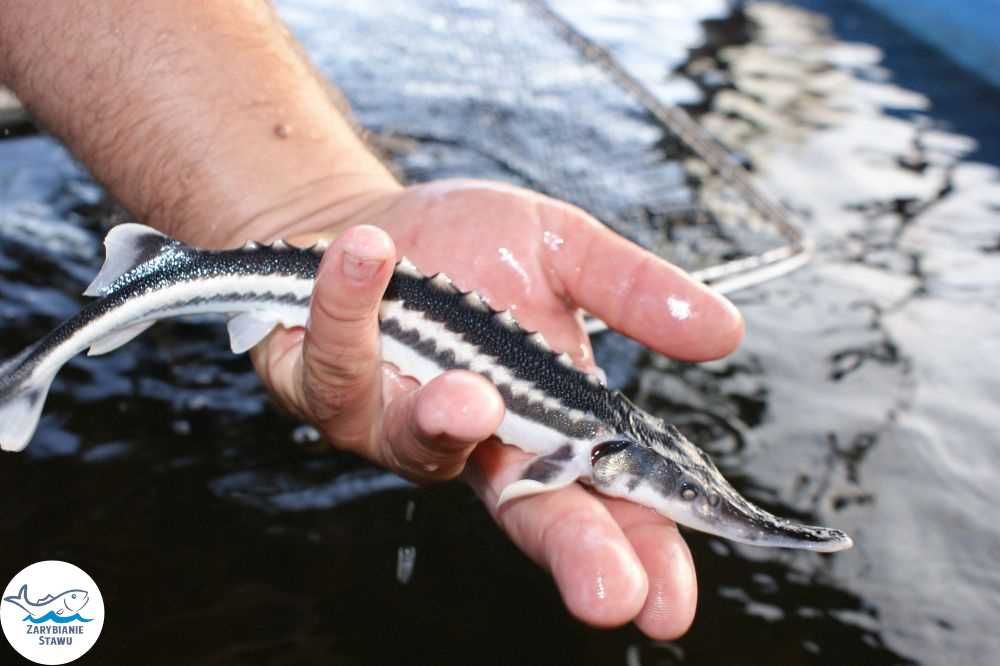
521	93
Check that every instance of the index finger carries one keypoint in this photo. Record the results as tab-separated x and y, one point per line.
637	293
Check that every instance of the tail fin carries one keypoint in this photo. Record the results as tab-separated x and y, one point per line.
23	388
21	599
22	595
126	247
21	406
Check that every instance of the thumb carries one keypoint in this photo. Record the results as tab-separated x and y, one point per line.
339	371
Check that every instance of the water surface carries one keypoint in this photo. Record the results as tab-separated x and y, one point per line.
222	532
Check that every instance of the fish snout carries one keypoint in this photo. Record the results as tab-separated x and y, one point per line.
685	486
745	522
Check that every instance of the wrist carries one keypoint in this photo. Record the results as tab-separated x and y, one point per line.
318	209
277	172
203	119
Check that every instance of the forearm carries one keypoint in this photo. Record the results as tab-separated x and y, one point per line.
201	117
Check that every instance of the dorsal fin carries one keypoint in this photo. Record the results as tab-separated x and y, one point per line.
126	246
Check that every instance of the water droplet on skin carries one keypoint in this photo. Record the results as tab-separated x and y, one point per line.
507	257
553	241
679	308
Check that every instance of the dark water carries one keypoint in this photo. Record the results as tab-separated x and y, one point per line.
221	532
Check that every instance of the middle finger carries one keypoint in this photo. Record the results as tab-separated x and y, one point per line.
571	533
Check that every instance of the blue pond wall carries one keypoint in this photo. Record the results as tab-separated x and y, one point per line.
967	30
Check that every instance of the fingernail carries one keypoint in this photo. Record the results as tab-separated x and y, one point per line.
364	253
358	268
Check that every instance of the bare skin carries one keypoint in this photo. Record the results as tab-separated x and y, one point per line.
205	120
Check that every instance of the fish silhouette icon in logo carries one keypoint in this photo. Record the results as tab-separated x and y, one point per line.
62	608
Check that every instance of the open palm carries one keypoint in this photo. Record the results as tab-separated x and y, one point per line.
613	561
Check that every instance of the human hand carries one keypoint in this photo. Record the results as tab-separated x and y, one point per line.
614	561
257	137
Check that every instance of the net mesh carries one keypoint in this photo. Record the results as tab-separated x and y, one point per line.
521	93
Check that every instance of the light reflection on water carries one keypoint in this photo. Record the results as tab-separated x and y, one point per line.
862	396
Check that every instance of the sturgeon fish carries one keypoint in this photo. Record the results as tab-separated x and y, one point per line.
575	428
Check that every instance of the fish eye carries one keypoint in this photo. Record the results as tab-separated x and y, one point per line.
688	492
74	596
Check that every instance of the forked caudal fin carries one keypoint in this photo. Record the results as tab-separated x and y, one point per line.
22	595
21	407
126	247
21	600
25	379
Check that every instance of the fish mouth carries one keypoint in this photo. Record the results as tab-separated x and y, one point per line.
684	485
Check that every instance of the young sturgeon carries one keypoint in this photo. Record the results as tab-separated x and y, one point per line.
576	428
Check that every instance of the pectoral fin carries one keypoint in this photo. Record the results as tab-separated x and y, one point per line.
544	474
247	329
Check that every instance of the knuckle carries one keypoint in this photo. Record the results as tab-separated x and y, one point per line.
329	363
328	399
